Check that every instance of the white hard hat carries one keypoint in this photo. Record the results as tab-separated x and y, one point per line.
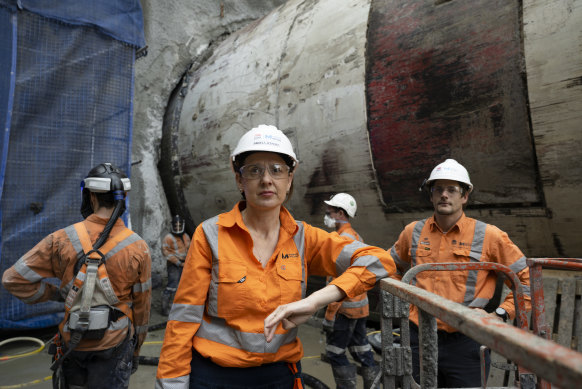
264	138
450	170
343	201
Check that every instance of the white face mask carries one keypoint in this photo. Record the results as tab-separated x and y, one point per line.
329	221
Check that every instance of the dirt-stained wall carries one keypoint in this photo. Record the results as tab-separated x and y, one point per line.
176	33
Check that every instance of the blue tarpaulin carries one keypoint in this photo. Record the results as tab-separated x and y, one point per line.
66	91
122	19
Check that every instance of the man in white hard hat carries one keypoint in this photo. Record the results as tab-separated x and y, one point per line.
345	321
450	236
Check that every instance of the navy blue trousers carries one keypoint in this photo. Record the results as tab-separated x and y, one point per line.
459	364
174	275
349	334
105	369
205	374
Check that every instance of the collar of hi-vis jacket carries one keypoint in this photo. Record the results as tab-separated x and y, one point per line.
342	231
233	217
95	270
459	225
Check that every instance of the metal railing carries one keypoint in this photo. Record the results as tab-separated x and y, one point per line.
540	325
544	358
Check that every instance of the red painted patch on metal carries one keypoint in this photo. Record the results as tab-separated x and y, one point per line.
446	81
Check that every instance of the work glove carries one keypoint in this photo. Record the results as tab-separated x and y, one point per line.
134	363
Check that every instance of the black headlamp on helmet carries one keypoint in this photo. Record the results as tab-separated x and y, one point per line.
104	178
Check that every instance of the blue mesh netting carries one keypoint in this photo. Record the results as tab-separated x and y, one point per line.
70	108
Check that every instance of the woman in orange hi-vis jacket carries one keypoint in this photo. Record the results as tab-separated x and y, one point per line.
234	320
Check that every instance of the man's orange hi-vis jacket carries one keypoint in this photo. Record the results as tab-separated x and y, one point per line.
468	240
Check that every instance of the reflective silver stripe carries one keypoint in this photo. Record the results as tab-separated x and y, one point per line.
74	239
518	265
186	313
349	236
37	295
344	258
218	331
299	240
475	255
479	302
27	273
335	350
141	329
401	266
121	245
119	324
327	323
173	383
210	229
140	288
372	264
355	304
478	239
360	349
526	290
175	243
414	242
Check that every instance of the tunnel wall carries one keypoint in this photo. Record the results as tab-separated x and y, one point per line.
350	86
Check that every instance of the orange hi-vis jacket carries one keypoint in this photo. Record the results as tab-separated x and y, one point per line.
128	267
354	308
175	248
469	240
220	311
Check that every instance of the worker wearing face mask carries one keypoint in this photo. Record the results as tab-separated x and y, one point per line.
345	321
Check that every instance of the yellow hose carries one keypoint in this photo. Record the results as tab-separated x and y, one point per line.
19	339
8	357
40	380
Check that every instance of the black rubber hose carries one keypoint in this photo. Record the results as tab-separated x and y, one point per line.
150	361
312	382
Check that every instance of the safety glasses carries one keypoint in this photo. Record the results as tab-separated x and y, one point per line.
276	170
442	189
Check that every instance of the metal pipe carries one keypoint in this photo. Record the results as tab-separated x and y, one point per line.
518	295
